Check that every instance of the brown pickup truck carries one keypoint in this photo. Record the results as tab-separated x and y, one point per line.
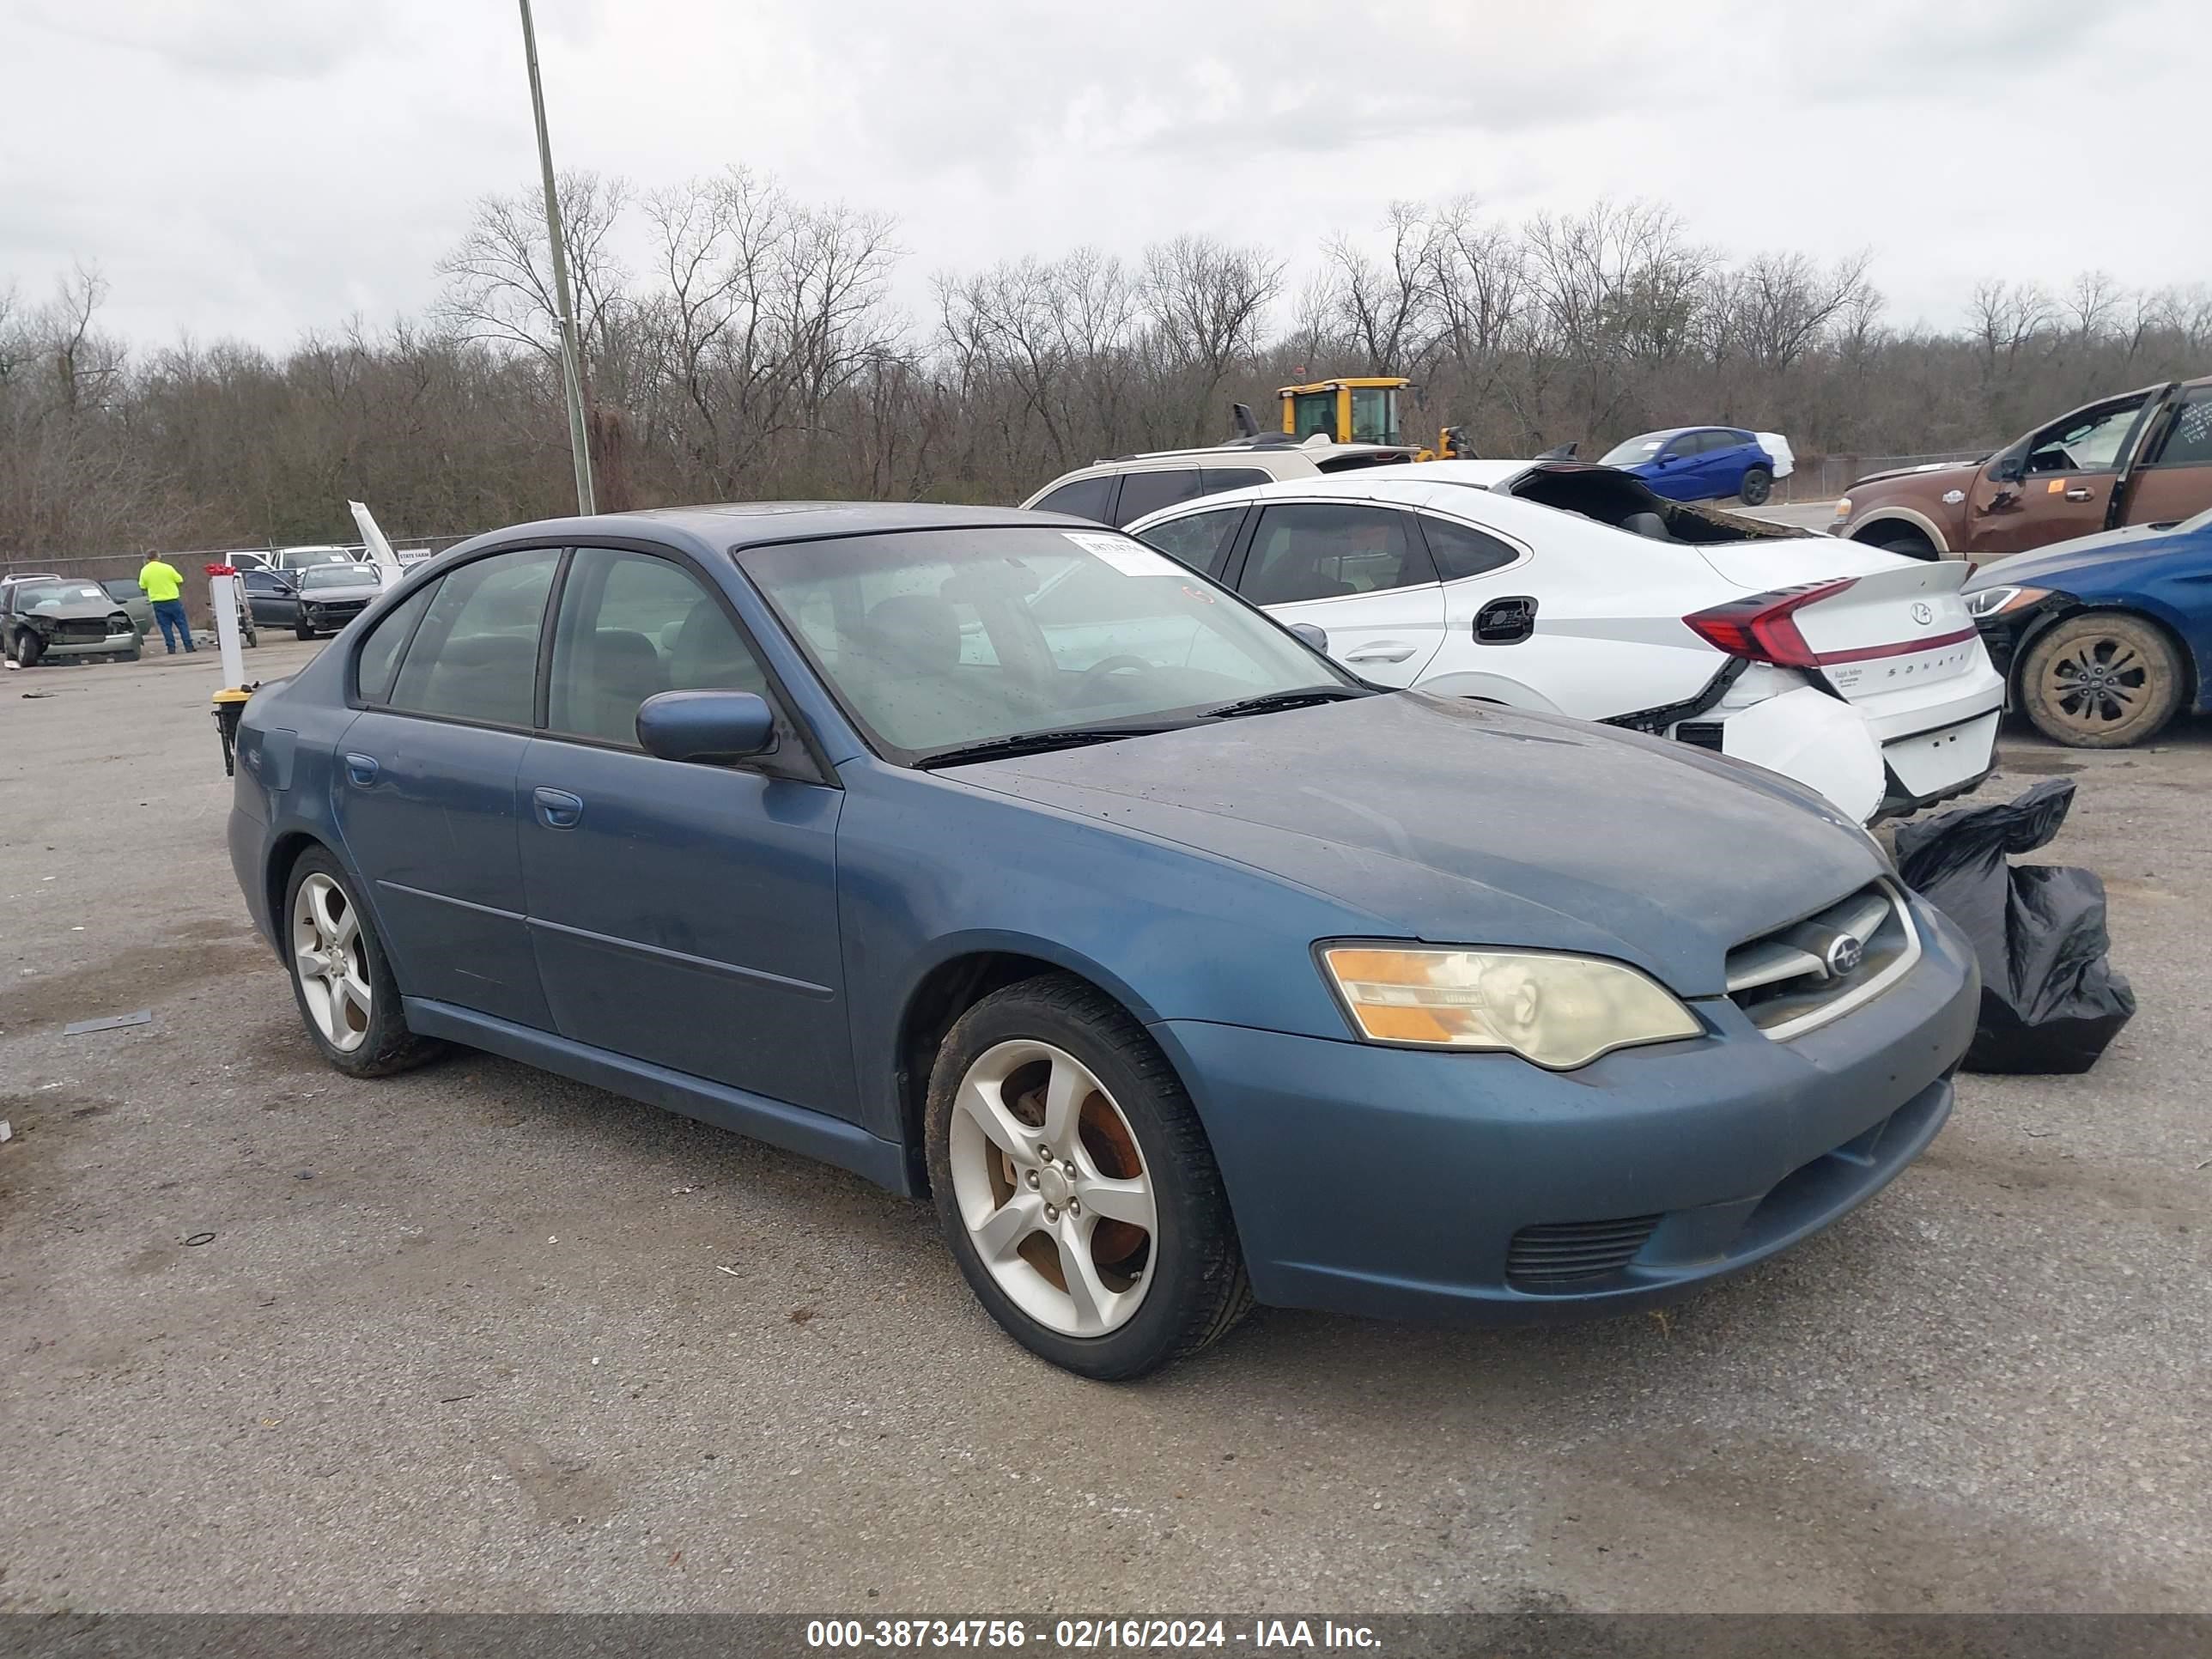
2145	457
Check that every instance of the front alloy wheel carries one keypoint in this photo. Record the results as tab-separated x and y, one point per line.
1074	1184
2100	682
344	988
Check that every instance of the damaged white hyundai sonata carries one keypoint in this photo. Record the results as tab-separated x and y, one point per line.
1571	588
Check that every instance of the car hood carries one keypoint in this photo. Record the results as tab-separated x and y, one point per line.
1465	823
2099	554
1942	475
73	610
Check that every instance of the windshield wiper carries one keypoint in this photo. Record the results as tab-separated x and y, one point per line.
1037	743
1270	702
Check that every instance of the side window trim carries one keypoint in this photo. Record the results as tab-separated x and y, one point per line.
541	693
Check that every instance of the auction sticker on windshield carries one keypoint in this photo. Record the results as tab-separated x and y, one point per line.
1130	558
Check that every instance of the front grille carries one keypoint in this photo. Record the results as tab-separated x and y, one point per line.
1568	1252
1804	975
80	630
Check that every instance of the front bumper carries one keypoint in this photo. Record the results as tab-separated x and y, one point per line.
1406	1184
108	645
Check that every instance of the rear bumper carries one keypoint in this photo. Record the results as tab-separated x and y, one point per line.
1477	1188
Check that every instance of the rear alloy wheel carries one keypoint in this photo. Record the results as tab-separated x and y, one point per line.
1758	485
346	993
2100	682
1075	1186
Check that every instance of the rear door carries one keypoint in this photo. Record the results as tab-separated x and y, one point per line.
2174	480
1356	570
424	788
683	915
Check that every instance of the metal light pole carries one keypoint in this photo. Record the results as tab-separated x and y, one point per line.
572	362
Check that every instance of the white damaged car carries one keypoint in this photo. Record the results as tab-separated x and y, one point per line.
1571	587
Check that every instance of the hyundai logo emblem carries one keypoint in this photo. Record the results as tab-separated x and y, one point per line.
1923	614
1845	953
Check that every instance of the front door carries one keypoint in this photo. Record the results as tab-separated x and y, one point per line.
424	789
2053	486
683	915
270	598
1357	571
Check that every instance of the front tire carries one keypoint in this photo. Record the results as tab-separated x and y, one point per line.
29	647
348	998
303	630
1758	485
1075	1184
2100	681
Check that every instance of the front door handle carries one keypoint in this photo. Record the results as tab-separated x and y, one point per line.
2078	492
1388	651
361	768
558	809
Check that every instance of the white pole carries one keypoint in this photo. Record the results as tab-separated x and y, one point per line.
572	363
223	587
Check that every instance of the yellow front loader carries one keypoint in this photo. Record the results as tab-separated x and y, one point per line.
1360	409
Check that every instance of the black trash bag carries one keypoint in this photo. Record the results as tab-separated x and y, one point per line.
2051	1001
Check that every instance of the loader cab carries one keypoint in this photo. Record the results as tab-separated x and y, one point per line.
1361	410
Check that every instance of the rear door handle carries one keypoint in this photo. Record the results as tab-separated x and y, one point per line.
558	809
1389	651
361	768
2078	492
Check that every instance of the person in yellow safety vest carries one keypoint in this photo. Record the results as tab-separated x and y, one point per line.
162	584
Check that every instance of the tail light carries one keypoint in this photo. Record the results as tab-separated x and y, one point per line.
1763	627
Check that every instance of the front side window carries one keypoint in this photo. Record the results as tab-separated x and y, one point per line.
1200	540
1148	492
1085	498
475	657
631	627
936	639
2188	440
1322	550
2085	443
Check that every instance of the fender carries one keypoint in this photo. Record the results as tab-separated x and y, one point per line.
1490	688
1919	521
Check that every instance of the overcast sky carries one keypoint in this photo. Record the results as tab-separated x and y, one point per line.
257	167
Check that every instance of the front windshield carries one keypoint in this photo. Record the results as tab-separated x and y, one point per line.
34	595
1642	448
344	575
935	639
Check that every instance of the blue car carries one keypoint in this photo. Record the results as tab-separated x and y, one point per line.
1699	463
2104	638
999	859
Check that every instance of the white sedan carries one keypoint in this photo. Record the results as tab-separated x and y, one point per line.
1571	587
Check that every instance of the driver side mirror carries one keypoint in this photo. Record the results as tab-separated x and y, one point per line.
2008	468
1315	637
705	728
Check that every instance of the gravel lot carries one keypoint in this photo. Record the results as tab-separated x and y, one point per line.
463	1340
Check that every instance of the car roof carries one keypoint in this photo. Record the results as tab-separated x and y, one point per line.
1455	488
735	525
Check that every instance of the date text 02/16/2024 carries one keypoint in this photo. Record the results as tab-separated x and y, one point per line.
1081	1635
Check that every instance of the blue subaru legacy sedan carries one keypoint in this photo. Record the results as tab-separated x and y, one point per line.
997	858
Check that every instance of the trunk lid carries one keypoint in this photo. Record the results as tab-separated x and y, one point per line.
1901	623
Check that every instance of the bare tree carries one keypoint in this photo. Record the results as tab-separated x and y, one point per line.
1389	310
1206	301
499	281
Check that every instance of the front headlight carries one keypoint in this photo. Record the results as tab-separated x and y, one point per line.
1843	507
1559	1011
1995	601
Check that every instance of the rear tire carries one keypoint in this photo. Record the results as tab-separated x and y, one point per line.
1758	485
1155	1288
2100	680
337	962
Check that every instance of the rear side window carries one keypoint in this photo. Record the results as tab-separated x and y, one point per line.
631	627
1321	551
1461	551
2189	443
474	657
1086	498
378	664
1200	540
1219	478
1148	492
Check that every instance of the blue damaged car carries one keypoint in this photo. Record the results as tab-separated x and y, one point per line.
997	858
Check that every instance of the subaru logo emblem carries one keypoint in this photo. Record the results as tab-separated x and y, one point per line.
1845	953
1923	614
